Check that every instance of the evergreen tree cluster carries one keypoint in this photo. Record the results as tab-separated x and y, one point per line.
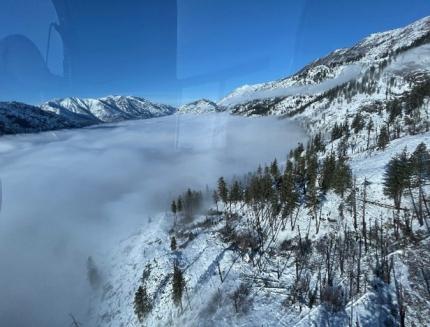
334	269
339	130
142	300
404	172
383	138
358	123
178	285
189	204
274	194
278	193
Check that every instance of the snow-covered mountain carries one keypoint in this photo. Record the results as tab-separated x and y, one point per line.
199	107
364	105
108	109
395	53
18	117
374	79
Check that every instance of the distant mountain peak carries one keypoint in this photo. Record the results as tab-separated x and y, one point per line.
109	109
199	107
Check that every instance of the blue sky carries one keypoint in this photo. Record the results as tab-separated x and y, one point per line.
221	44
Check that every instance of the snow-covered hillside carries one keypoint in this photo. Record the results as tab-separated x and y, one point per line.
339	255
368	56
199	107
17	117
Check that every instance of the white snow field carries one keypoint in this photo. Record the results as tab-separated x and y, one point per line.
71	194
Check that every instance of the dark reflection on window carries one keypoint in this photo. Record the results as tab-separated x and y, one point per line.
110	46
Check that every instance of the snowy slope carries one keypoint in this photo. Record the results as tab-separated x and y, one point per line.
385	80
338	67
383	72
199	107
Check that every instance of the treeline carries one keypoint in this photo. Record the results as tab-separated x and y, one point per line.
274	195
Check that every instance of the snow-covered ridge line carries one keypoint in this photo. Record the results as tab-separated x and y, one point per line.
109	109
346	74
373	50
75	112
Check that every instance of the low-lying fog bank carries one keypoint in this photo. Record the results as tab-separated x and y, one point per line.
71	194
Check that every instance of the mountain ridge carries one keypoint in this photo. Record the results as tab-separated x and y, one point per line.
74	112
372	50
110	109
307	255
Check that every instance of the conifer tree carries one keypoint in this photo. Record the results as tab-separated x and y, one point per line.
312	200
342	149
222	190
311	169
173	244
190	204
300	174
369	128
397	177
142	303
420	164
318	143
267	185
235	192
298	151
289	196
383	138
178	285
274	169
179	204
394	109
336	132
420	173
174	209
358	123
327	172
342	180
